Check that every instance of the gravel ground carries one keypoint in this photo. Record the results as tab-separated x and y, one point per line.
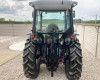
13	70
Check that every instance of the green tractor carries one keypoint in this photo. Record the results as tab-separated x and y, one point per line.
52	40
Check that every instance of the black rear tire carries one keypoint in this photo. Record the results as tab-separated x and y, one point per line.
31	65
73	66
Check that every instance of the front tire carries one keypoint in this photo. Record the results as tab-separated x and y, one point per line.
31	65
73	67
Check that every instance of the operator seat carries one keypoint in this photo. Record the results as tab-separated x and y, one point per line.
52	28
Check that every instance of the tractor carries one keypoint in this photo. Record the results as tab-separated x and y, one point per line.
52	40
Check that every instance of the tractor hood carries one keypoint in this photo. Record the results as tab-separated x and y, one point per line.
53	4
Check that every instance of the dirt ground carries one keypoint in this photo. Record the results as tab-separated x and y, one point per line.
13	69
6	41
7	54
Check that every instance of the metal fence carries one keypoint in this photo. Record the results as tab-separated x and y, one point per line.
12	33
15	29
89	37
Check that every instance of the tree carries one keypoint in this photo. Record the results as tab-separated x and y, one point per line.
2	19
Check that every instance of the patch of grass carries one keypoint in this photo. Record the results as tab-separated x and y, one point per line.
15	22
87	24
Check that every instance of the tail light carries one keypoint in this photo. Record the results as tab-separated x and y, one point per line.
32	36
72	36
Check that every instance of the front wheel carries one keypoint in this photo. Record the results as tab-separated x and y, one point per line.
73	66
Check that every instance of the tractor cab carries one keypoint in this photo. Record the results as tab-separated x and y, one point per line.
53	16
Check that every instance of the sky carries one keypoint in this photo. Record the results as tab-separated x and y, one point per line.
19	10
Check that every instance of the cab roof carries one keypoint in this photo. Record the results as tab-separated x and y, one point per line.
53	4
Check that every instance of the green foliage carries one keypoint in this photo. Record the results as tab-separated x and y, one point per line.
2	19
77	21
15	22
92	21
53	21
87	22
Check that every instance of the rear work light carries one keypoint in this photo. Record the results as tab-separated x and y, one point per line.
32	36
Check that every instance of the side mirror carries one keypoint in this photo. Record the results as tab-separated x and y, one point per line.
73	13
